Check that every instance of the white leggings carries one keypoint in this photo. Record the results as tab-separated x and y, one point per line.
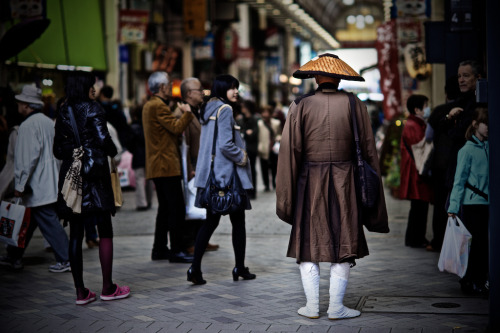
339	270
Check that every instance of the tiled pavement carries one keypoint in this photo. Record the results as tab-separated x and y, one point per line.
396	288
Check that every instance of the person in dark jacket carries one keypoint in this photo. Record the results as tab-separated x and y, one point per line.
115	115
438	134
137	147
97	194
250	130
459	118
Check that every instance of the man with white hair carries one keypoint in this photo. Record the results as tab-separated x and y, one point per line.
161	132
36	173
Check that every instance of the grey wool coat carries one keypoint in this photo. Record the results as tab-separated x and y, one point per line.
227	150
315	189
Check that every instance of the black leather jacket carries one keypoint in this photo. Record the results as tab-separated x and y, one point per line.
94	136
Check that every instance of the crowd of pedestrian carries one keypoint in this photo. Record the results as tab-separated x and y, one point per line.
306	156
457	178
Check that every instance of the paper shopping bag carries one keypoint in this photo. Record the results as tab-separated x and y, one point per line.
14	223
115	184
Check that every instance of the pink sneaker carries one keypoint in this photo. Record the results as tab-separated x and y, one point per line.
120	292
89	299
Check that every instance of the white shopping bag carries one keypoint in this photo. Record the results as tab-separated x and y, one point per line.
456	246
14	222
192	212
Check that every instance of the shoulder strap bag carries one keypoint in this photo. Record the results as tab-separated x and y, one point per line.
72	187
92	166
226	199
366	178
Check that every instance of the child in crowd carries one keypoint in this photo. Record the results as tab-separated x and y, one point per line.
471	192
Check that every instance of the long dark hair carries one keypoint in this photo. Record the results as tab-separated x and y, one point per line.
78	85
220	86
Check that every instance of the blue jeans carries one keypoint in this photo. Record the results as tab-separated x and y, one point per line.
46	218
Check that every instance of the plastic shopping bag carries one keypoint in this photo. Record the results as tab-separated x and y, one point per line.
192	212
456	245
14	223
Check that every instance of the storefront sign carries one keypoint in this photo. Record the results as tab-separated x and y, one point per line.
460	17
28	9
387	51
165	58
133	25
226	42
195	17
245	57
204	49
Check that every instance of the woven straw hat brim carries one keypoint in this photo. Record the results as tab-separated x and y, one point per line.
327	65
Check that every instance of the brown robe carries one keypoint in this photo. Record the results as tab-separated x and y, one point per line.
315	190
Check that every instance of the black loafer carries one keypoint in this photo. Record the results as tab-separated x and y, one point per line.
160	255
181	257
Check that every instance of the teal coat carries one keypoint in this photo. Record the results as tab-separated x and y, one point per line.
472	167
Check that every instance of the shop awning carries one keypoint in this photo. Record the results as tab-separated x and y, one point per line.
75	37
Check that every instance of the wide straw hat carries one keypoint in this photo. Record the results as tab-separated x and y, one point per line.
330	65
30	95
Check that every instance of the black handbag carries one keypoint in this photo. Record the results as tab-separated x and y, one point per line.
92	166
219	199
366	178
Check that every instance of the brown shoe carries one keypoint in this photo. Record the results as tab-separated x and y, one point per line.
190	250
430	248
212	247
93	243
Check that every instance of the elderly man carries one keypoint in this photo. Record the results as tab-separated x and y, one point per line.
161	132
315	185
36	175
192	94
458	119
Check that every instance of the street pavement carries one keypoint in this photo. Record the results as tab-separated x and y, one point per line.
396	288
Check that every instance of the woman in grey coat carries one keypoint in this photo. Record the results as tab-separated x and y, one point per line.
229	150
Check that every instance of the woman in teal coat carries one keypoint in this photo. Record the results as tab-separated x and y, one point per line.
471	192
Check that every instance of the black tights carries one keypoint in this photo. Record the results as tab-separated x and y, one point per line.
208	228
76	232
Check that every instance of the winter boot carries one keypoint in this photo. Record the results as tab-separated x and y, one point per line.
339	276
309	272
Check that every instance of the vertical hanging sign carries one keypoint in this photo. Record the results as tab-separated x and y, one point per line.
195	15
387	53
133	25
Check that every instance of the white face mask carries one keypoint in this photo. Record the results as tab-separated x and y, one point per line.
427	112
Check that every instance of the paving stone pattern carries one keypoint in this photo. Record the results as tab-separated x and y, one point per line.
392	287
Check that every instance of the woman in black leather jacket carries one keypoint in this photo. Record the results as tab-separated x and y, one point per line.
98	200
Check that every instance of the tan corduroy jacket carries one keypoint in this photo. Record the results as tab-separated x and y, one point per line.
161	131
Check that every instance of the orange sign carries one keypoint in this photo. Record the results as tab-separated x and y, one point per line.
195	15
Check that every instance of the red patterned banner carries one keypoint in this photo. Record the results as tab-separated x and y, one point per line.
387	52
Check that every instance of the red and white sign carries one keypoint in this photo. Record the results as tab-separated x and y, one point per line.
390	84
133	25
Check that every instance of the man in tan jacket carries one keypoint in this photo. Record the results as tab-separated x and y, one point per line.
163	166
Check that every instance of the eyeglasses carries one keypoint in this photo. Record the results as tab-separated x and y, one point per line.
200	90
